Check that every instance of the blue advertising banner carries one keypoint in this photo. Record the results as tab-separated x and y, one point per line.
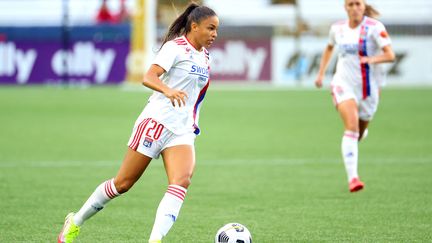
84	54
48	62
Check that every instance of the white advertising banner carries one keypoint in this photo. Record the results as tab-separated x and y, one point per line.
296	63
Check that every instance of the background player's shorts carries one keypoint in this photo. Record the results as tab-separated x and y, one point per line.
367	107
150	138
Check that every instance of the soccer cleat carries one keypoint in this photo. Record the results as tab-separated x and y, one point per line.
355	185
155	241
70	231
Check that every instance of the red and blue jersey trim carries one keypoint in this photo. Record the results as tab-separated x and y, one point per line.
364	67
197	104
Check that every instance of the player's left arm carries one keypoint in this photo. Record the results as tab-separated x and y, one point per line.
382	39
152	81
387	55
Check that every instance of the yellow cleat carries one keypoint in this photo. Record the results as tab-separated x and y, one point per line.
155	241
70	231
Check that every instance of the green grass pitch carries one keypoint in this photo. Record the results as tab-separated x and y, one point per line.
267	159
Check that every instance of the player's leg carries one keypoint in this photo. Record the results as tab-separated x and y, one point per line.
179	165
130	171
349	113
367	110
133	166
363	129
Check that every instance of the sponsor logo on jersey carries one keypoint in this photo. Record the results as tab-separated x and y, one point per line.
148	142
202	72
350	48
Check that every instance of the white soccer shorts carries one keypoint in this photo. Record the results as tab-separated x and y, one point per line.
366	107
150	138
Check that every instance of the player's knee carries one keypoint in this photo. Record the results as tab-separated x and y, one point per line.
123	186
352	126
183	181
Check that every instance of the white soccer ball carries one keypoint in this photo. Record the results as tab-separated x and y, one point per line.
233	233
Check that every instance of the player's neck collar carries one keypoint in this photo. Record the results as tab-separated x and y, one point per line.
190	43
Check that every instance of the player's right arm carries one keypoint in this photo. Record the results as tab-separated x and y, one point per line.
325	59
163	62
152	81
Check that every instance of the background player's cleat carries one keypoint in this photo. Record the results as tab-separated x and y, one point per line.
155	241
364	135
355	185
70	231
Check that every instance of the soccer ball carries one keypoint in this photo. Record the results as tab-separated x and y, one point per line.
233	233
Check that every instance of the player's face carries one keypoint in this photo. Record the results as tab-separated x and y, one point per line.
355	9
206	31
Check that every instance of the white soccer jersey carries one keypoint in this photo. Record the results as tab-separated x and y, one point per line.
367	39
187	69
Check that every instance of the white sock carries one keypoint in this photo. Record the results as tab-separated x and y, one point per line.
350	153
168	211
96	202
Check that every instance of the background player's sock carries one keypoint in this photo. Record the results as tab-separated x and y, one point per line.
168	211
96	202
350	153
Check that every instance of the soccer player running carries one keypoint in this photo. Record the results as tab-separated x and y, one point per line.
168	124
362	43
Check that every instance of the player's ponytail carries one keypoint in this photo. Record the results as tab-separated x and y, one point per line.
371	11
182	25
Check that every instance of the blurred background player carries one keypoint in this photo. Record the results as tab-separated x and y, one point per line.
168	124
362	43
104	14
123	15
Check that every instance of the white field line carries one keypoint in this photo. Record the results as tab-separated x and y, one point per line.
248	86
213	162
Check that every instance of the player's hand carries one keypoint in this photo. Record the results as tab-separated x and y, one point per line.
364	60
319	82
176	96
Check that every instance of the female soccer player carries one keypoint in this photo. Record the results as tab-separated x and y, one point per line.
168	124
362	43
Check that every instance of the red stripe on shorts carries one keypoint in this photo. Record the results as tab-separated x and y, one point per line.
138	134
